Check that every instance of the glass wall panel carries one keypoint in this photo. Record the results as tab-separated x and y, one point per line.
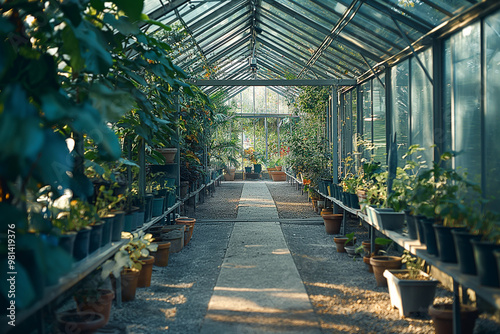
367	115
447	80
378	120
422	119
400	82
492	111
466	96
354	113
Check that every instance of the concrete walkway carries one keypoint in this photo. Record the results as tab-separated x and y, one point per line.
259	289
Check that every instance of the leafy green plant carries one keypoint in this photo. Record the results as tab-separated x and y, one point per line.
129	256
413	263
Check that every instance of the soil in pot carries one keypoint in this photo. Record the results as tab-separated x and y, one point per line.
162	253
85	322
381	263
146	272
442	318
99	301
333	222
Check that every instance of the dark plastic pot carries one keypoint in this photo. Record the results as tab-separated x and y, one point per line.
486	262
148	207
445	243
420	228
353	198
248	169
95	237
465	252
158	206
411	224
171	199
430	235
106	229
81	246
116	231
139	219
127	222
67	241
257	168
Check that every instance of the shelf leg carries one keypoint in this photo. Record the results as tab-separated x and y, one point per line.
372	239
456	308
118	282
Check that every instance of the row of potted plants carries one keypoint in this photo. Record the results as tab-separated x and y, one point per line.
437	204
133	262
411	289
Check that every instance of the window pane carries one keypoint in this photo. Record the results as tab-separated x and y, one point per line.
466	116
447	80
422	119
400	110
367	115
379	125
492	112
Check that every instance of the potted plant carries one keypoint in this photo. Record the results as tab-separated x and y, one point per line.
128	262
94	297
107	203
485	247
442	318
332	222
366	249
342	241
410	289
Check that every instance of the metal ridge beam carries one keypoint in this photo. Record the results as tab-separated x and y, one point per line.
276	82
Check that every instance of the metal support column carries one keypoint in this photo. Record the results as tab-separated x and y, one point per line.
265	125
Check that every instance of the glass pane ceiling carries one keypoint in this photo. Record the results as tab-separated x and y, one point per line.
285	35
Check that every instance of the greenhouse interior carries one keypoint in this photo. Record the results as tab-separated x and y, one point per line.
333	156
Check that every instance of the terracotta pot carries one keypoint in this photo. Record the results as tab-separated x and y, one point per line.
326	211
442	318
129	284
381	263
168	154
102	305
174	234
333	222
189	222
367	248
85	322
146	272
341	242
162	253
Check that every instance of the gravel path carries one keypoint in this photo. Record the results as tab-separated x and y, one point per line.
343	293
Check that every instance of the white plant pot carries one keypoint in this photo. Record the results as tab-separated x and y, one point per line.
410	295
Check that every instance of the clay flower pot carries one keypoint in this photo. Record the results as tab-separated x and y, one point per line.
146	272
168	154
188	222
442	318
162	253
333	222
381	263
101	303
341	242
129	284
79	322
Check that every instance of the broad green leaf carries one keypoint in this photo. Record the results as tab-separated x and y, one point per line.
111	104
71	47
131	8
97	58
72	10
122	24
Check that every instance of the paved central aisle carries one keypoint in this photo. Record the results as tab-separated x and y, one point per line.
259	289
